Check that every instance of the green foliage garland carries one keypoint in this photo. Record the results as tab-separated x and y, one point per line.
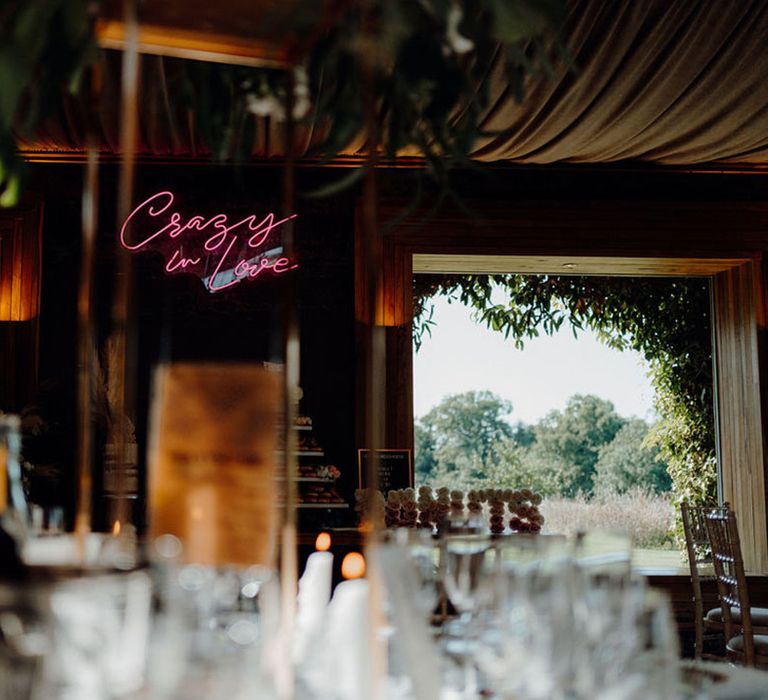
667	320
45	45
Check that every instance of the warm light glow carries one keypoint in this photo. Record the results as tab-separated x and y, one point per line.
365	527
116	528
233	251
323	542
19	274
353	566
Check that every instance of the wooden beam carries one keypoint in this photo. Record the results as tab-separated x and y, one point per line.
195	45
265	34
742	455
571	265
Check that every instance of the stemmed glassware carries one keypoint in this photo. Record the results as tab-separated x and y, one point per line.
424	554
465	564
564	632
467	573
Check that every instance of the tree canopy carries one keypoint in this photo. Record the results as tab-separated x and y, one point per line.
575	436
629	462
467	441
462	434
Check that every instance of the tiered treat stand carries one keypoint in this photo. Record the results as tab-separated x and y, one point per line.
320	505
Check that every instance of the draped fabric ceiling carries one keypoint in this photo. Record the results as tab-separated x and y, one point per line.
678	82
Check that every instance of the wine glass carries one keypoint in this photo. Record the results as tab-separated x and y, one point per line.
423	553
468	566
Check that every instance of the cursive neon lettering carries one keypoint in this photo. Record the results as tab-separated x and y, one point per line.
241	269
212	279
263	230
234	250
151	212
178	261
282	265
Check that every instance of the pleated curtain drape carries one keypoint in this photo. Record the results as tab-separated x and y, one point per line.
679	82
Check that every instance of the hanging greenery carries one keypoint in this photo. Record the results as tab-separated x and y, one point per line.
666	320
428	64
421	65
45	45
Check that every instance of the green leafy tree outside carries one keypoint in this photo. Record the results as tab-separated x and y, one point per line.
424	461
574	437
467	442
629	462
463	432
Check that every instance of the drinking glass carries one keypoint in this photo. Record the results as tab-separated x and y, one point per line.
468	576
424	554
632	642
209	631
77	635
46	520
566	630
465	564
605	551
13	503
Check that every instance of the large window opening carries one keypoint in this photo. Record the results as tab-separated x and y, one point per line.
594	391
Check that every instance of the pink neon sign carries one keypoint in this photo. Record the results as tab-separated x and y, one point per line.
226	253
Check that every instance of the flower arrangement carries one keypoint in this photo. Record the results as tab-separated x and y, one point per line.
328	471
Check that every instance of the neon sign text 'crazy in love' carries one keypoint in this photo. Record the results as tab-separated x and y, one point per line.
229	252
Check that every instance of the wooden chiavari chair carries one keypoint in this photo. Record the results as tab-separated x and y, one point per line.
745	641
707	614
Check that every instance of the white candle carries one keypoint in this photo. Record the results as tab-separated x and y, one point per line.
346	654
348	641
314	594
315	584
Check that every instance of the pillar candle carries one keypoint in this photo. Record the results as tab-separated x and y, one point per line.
315	584
349	676
314	594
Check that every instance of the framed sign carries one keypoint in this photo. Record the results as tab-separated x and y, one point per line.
395	469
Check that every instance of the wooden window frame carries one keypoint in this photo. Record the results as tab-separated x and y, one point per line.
721	240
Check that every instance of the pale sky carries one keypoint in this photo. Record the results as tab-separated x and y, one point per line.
463	355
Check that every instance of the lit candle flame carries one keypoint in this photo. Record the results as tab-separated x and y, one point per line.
353	566
116	528
323	542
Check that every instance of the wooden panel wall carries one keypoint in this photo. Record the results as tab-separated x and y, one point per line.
19	264
742	459
20	279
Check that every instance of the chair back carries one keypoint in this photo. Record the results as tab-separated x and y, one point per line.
731	578
699	556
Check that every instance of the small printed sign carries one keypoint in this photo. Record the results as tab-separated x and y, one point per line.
395	469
